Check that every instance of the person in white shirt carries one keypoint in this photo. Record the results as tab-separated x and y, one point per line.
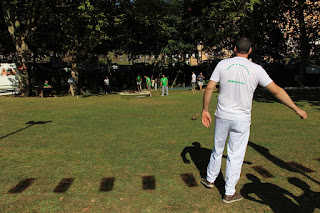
238	78
193	82
72	85
106	83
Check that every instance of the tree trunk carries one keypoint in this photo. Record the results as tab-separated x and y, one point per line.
19	30
22	51
22	57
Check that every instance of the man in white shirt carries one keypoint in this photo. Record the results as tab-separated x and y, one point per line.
238	78
106	82
193	82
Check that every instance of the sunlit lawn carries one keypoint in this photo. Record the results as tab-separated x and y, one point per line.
86	139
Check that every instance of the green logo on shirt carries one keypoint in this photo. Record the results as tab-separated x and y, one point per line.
236	82
240	66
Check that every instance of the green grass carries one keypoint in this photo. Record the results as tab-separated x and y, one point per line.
93	137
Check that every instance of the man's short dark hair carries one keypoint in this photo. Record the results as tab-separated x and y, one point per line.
243	45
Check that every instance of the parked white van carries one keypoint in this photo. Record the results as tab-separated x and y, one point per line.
9	81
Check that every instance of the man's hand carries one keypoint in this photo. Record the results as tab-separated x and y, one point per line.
302	113
206	119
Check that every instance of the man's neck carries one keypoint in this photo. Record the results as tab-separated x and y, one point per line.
242	55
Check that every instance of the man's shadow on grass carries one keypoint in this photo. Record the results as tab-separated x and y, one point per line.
30	124
277	161
309	200
269	194
279	199
201	157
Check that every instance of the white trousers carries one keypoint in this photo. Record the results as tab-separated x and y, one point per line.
164	88
238	132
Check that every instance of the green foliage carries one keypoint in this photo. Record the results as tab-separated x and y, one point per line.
22	19
222	20
87	28
140	27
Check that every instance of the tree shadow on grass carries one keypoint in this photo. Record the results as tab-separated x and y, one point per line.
269	194
22	185
30	124
297	95
63	185
201	157
277	161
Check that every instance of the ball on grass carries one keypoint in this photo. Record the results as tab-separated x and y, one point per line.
194	117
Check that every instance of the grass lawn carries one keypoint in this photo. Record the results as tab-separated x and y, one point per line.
109	154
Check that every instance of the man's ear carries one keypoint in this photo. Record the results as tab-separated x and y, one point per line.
235	49
250	50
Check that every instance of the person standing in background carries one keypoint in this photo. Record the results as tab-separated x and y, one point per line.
193	82
72	85
139	82
200	80
106	82
164	84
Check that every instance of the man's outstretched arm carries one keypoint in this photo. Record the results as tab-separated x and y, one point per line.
206	117
283	96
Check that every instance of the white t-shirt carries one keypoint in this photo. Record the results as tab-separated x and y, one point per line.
106	82
194	78
238	78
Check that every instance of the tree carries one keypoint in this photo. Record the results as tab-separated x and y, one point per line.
223	21
6	44
300	23
179	29
261	24
22	18
140	27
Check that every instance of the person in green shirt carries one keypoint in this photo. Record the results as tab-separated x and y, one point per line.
148	84
139	81
164	84
46	84
47	88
